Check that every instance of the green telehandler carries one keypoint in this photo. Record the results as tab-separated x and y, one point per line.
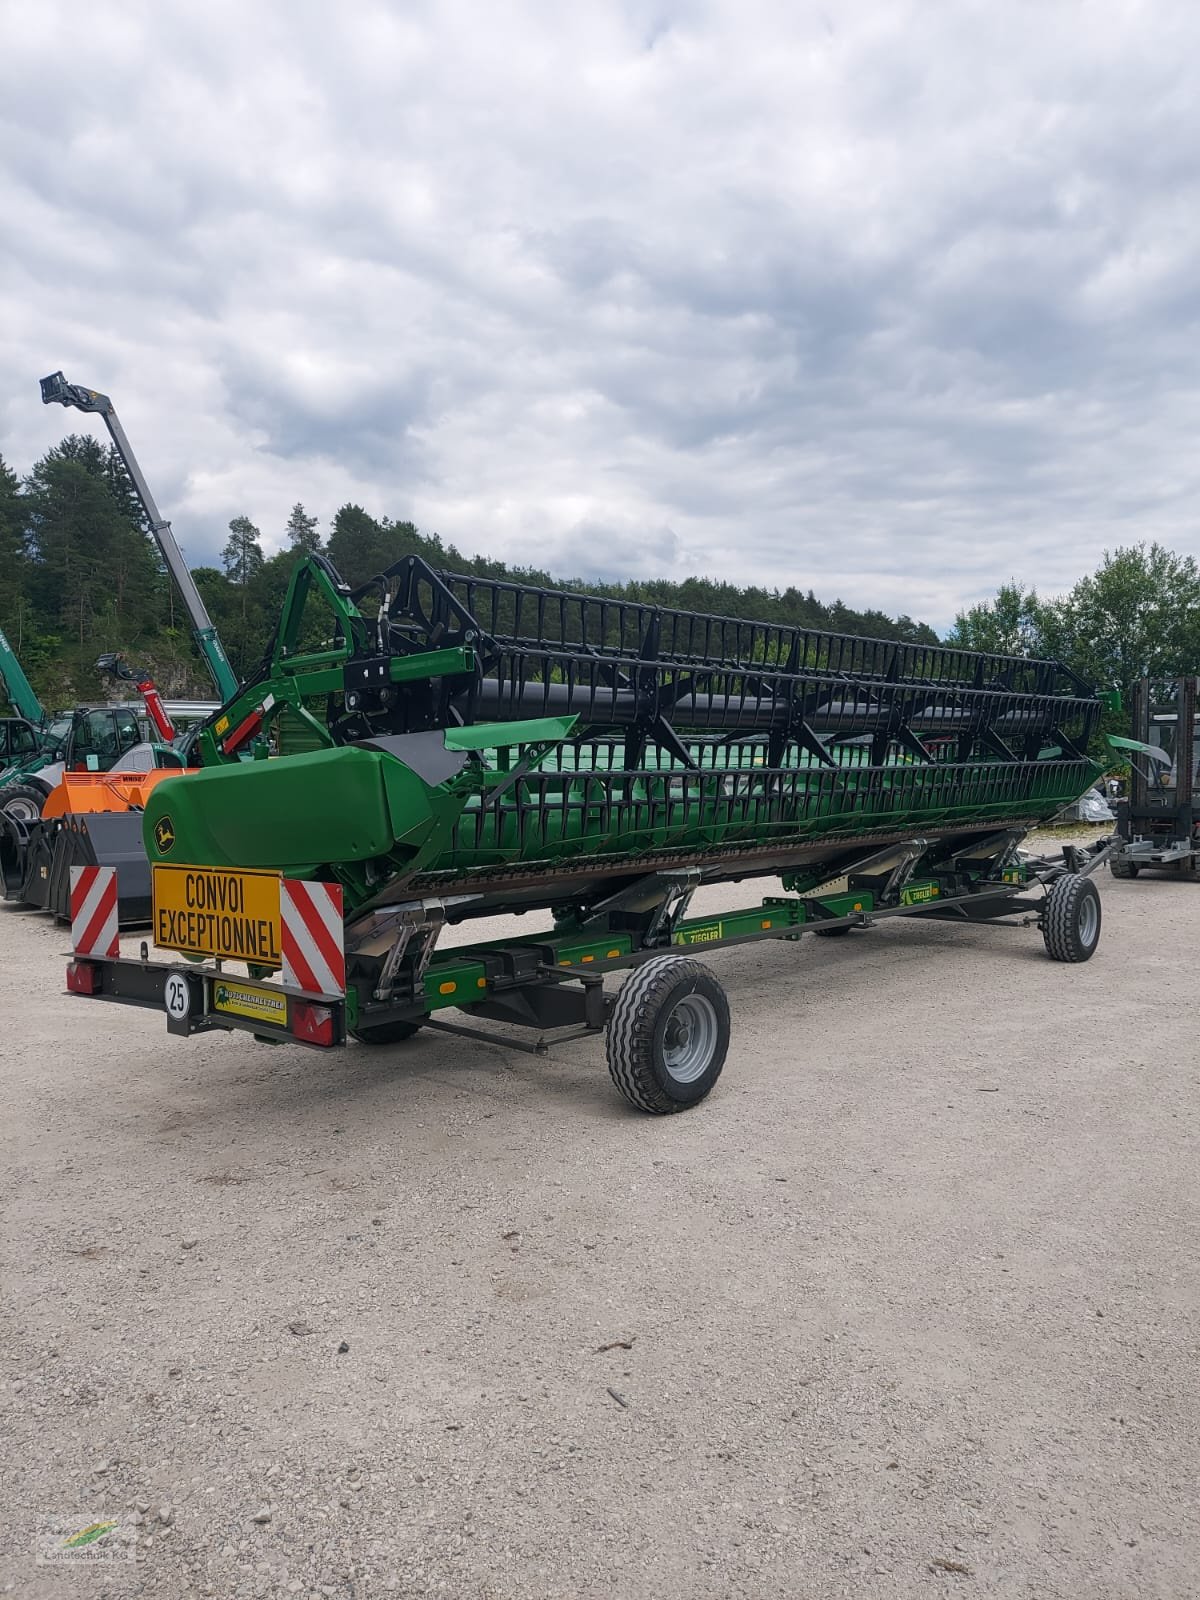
20	735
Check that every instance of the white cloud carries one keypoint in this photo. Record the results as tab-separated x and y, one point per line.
888	300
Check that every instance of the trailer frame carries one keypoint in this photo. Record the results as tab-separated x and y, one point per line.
552	984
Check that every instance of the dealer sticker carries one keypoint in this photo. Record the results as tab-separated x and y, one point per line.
245	1000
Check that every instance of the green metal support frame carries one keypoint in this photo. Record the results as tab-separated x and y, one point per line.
290	674
553	982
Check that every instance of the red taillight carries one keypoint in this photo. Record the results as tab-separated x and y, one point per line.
83	977
313	1024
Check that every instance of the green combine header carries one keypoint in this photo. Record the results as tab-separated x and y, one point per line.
487	746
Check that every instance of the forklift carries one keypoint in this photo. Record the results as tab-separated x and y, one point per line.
1158	824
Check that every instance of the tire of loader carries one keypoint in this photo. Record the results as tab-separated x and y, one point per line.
668	1035
386	1032
1071	918
22	800
13	838
1120	868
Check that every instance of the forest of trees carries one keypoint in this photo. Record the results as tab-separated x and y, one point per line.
80	575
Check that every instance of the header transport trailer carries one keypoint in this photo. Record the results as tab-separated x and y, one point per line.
490	747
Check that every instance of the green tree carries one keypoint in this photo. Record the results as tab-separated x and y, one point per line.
1012	624
221	598
14	563
302	532
361	546
358	545
243	633
269	586
93	578
1137	615
912	632
243	554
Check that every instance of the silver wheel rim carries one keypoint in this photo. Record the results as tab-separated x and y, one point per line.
1089	921
690	1038
23	810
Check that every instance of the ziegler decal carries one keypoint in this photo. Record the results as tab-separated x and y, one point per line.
916	894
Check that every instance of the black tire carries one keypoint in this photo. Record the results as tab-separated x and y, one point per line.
833	933
386	1032
1120	867
22	800
1071	919
668	1035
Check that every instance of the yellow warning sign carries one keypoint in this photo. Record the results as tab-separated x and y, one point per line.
206	911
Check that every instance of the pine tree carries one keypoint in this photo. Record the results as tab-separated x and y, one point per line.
94	570
242	559
243	554
13	559
302	532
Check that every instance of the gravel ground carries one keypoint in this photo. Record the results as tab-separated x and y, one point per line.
905	1308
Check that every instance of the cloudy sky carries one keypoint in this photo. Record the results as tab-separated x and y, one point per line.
895	299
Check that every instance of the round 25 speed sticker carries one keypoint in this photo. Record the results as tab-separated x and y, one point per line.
177	997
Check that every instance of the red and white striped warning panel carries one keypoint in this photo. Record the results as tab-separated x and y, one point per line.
314	958
94	930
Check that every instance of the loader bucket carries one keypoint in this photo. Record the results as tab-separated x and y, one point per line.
36	860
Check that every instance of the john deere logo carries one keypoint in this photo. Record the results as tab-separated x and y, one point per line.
164	834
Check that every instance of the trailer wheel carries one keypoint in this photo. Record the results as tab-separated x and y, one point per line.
832	933
23	801
1071	919
385	1032
1121	868
668	1035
